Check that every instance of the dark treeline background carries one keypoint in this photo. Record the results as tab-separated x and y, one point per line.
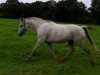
70	11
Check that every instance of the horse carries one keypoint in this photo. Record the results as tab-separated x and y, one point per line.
50	32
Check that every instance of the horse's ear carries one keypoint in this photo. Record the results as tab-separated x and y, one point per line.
21	18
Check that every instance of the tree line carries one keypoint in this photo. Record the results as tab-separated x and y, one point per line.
70	11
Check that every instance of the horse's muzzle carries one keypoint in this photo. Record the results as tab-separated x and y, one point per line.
20	34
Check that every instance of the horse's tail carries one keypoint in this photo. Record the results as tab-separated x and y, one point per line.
89	37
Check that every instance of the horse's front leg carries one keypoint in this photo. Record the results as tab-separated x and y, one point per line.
37	45
50	51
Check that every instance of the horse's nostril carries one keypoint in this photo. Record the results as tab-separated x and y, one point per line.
19	34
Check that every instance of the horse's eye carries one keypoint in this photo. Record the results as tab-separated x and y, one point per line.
20	25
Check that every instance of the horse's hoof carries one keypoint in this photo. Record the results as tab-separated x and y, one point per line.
92	62
28	59
61	61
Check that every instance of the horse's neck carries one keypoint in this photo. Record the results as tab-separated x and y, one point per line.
35	24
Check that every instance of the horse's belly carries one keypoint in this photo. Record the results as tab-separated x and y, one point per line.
58	39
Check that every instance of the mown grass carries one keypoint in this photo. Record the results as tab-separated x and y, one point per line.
13	50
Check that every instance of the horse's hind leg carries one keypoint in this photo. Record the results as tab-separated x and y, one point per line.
71	46
80	44
50	50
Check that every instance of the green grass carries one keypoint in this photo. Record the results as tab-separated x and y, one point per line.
13	50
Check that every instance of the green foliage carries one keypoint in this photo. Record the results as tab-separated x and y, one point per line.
95	11
10	9
64	10
13	50
70	11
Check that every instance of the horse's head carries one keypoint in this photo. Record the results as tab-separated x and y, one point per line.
22	27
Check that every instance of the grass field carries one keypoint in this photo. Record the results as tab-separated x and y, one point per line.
13	50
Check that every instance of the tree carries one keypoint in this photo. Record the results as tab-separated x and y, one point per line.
12	2
36	9
11	9
71	11
49	9
63	10
95	11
